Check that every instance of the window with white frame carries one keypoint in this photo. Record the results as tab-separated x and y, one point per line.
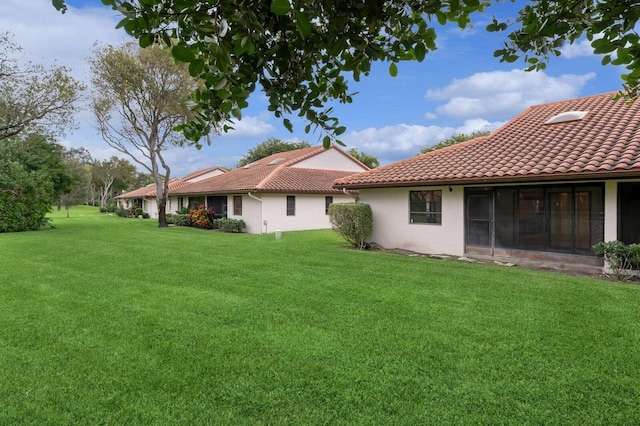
237	205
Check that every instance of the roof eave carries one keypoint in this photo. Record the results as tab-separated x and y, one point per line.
615	174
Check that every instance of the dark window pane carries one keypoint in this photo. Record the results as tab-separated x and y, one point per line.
560	219
425	206
531	219
629	196
479	206
505	217
479	233
291	205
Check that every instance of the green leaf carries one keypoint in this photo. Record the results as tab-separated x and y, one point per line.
220	84
326	141
182	53
420	51
288	124
303	24
340	130
146	40
196	67
237	113
226	106
59	5
280	7
393	69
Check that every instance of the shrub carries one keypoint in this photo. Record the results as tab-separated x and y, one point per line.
181	220
353	221
122	212
111	207
184	210
231	225
202	217
169	218
137	212
103	209
622	258
145	215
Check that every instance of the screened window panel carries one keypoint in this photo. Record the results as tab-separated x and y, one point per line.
425	206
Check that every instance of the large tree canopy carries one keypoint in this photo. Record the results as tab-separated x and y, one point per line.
139	98
301	52
34	99
33	176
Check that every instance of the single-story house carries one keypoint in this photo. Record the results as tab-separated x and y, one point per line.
286	191
145	197
547	186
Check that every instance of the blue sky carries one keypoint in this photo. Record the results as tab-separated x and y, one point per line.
459	88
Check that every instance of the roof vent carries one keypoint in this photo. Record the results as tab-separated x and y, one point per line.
276	161
563	117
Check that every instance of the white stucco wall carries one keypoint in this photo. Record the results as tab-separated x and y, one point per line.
310	212
330	159
391	227
610	210
251	213
150	205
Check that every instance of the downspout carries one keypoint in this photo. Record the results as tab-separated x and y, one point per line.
355	197
254	197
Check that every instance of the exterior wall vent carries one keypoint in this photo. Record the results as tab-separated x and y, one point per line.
563	117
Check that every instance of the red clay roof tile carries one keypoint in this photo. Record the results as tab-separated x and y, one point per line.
273	174
605	141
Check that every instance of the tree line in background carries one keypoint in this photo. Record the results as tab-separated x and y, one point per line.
37	105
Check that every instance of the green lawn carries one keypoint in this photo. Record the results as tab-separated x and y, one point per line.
105	320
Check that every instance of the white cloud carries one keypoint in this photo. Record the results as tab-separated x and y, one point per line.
581	48
250	127
430	116
502	94
68	38
393	143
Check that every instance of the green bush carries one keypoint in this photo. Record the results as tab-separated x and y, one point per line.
169	219
230	225
184	210
353	221
103	209
622	258
111	207
137	212
145	215
181	220
122	212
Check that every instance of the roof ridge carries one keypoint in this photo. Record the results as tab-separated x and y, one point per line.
274	173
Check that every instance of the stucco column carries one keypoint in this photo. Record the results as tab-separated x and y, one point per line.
610	210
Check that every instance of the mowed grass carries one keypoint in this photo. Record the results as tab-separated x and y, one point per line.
105	320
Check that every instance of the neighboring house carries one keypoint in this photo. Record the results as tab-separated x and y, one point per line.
145	197
548	185
285	191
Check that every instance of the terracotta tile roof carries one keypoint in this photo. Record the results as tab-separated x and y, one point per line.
273	174
604	143
150	190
